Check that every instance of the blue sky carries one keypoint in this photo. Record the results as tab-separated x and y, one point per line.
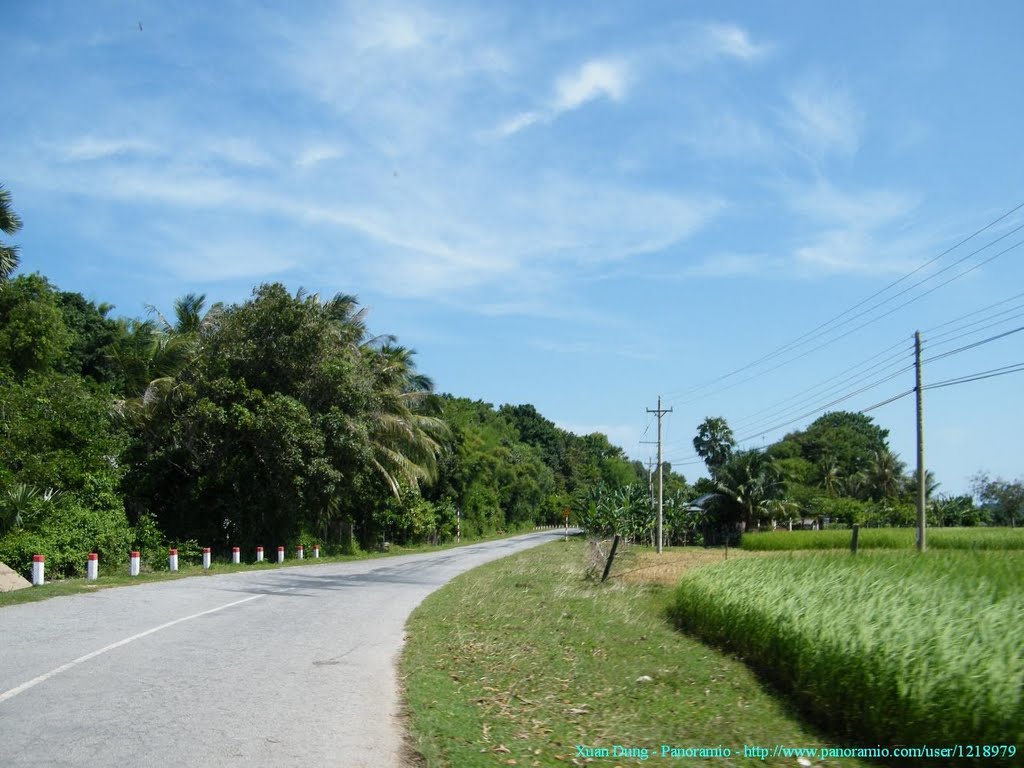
579	205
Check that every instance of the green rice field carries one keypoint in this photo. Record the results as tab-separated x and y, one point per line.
887	538
886	648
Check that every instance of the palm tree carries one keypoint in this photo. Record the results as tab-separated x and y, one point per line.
884	475
832	477
714	443
190	320
9	224
406	440
751	481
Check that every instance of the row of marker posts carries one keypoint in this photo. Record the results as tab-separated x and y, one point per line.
92	568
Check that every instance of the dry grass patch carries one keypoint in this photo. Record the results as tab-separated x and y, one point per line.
642	565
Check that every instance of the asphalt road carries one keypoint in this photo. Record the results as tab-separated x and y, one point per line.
282	667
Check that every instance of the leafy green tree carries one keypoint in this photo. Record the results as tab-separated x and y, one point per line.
955	511
93	336
1003	499
33	335
750	481
9	224
841	439
714	443
884	476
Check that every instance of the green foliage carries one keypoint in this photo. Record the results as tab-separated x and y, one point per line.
886	538
842	510
66	534
57	431
954	511
847	440
10	223
1003	500
495	479
33	335
887	647
714	443
627	511
750	482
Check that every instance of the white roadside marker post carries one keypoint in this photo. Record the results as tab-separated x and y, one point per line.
280	554
133	565
236	555
316	550
38	569
206	558
172	560
259	554
302	552
92	567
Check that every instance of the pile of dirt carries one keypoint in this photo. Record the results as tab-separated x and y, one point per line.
10	580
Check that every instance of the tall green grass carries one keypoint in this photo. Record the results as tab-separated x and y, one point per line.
888	538
888	648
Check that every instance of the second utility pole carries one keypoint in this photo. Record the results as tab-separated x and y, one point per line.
660	413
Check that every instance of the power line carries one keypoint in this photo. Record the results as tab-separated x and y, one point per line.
975	344
989	374
814	333
975	312
821	390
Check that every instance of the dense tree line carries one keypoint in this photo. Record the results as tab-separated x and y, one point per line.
271	421
840	470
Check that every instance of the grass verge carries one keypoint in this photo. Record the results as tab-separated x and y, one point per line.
887	647
522	661
887	538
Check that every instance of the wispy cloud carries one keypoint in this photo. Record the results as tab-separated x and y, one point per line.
822	118
729	40
855	231
85	148
606	78
318	153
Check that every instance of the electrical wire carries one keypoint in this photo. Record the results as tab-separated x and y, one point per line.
810	335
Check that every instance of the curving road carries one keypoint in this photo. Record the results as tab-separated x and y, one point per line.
282	667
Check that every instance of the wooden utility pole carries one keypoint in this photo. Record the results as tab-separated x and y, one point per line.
921	523
659	412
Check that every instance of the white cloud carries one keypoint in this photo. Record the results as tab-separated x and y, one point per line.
316	154
92	148
822	201
731	40
594	79
518	123
823	119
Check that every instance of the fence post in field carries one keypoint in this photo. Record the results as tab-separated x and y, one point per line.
611	556
853	541
38	569
259	554
133	564
236	555
92	567
172	560
206	558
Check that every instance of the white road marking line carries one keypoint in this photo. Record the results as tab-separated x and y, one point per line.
82	659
